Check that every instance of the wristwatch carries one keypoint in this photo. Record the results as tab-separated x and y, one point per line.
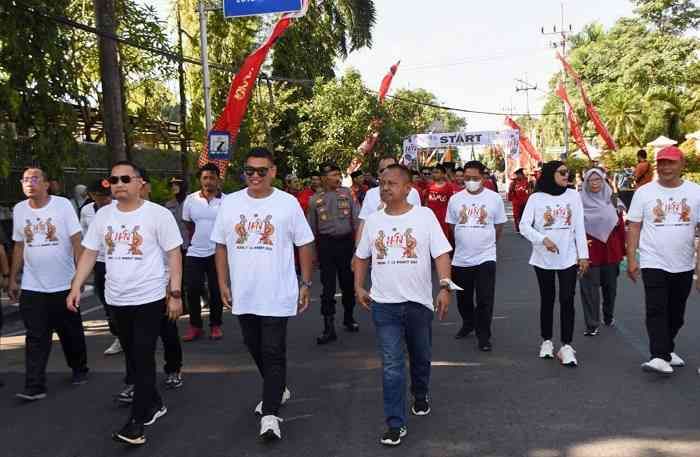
307	284
176	294
445	284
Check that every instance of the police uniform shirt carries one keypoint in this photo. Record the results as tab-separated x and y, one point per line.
333	213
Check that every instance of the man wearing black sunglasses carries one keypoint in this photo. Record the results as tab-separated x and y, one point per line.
255	233
136	236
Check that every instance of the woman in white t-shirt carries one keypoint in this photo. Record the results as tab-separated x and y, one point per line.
553	222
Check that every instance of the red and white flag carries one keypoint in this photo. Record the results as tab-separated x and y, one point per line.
574	125
242	86
525	146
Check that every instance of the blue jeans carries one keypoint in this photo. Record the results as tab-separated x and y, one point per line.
396	322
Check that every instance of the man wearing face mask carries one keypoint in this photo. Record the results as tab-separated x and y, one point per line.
476	217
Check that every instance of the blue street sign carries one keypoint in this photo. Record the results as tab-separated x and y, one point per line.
238	8
219	143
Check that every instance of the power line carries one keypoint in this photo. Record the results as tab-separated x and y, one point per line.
465	110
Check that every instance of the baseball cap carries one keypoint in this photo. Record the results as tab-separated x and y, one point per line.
670	153
99	187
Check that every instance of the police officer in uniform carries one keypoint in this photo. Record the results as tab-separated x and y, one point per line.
332	216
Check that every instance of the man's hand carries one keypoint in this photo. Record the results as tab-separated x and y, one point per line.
583	266
226	296
73	300
304	299
550	245
443	303
174	308
363	297
13	290
633	269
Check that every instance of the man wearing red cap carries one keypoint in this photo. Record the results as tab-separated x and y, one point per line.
663	217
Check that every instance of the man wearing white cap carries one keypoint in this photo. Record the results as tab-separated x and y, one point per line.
663	217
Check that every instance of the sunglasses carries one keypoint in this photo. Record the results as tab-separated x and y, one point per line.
126	179
250	171
563	172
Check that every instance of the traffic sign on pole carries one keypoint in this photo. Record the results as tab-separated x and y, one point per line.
239	8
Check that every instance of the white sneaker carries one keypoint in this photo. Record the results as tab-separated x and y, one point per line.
547	350
676	361
567	356
270	428
658	365
285	398
115	348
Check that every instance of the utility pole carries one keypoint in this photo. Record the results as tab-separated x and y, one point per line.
525	86
563	34
204	57
112	108
184	137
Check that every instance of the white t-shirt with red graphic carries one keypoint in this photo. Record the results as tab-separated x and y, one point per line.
373	202
559	218
260	235
49	264
135	244
401	248
474	218
669	217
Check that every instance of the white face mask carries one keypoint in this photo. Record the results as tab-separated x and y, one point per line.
473	186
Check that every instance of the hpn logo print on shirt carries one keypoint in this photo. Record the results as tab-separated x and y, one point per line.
480	214
396	241
663	212
262	227
558	217
129	237
46	229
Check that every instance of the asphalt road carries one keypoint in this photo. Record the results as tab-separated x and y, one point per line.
504	403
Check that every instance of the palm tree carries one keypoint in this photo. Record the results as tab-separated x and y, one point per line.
624	117
678	105
352	21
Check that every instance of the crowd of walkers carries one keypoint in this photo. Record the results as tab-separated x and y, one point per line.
255	251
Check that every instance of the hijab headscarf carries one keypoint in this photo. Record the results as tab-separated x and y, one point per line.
546	182
599	213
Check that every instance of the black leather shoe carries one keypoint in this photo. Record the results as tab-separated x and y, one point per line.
463	333
485	347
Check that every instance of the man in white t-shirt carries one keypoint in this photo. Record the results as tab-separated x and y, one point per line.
136	236
476	216
255	233
46	233
199	213
101	196
663	217
401	239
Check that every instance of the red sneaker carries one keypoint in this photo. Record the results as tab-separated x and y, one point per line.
192	334
216	333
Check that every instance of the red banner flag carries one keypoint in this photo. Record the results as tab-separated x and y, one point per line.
525	145
590	109
241	89
371	139
574	125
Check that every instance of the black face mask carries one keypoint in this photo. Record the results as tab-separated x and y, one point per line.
547	183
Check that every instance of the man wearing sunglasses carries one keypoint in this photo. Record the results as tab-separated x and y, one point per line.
255	233
46	233
136	236
332	216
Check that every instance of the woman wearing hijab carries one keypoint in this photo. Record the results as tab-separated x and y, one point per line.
553	222
605	230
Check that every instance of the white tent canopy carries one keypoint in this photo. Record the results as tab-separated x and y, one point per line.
693	136
662	142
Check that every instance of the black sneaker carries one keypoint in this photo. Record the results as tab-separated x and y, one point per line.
32	394
392	437
463	333
591	331
173	381
485	347
155	413
421	407
131	433
126	395
351	326
610	323
79	378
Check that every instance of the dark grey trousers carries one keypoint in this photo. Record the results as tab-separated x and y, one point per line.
603	277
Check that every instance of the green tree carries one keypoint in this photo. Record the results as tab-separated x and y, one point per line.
670	16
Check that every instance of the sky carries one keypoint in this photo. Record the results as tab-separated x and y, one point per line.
469	53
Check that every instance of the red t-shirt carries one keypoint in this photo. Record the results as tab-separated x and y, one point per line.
610	252
519	191
437	198
304	198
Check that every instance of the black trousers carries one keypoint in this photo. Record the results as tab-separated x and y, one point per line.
335	255
196	269
99	273
567	291
139	327
266	339
172	350
482	280
665	295
45	313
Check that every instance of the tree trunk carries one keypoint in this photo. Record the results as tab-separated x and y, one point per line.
112	108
